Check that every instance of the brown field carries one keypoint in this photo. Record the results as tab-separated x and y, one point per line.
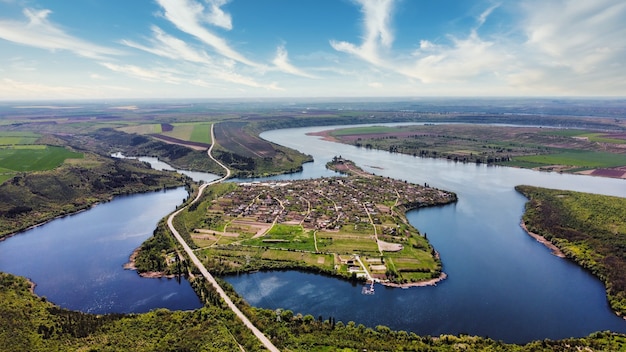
232	137
616	173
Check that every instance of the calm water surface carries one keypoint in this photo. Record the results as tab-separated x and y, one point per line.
501	283
77	261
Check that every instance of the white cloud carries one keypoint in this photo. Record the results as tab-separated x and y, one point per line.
217	16
377	31
584	36
153	75
551	47
464	59
171	47
38	32
189	16
460	60
281	61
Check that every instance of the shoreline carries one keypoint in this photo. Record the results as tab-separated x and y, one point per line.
326	136
555	250
431	282
130	265
46	221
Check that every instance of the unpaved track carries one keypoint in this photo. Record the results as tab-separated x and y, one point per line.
262	338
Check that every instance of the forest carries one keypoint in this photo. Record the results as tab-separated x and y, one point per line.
588	228
31	323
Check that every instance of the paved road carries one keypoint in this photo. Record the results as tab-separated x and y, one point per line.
262	338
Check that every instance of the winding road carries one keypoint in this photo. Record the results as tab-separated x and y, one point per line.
170	223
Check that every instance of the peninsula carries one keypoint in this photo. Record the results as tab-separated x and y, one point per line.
352	227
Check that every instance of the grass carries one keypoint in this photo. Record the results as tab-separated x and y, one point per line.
15	138
4	177
143	128
201	133
593	137
285	236
350	245
600	138
194	132
35	157
589	159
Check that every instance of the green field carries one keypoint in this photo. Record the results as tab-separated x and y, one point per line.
194	132
16	138
143	128
34	157
592	136
583	159
285	236
201	133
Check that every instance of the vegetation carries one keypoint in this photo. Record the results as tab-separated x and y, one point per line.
588	228
30	323
528	147
35	157
31	198
241	149
317	225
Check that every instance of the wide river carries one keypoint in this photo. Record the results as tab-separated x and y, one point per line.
501	283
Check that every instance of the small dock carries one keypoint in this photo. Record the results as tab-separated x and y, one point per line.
368	290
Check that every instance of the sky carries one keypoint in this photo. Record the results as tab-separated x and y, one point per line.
120	49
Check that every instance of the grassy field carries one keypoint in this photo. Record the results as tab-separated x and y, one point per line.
285	236
143	128
34	157
17	138
577	158
193	132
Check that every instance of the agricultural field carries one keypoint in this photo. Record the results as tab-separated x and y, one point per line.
192	134
25	158
551	149
305	223
233	137
17	138
577	158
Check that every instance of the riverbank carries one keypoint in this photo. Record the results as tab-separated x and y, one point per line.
555	250
431	282
593	242
535	148
130	265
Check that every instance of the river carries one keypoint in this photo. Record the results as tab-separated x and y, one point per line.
77	261
501	283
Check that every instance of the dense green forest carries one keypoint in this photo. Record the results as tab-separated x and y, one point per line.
30	323
588	228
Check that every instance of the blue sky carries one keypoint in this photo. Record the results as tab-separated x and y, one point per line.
109	49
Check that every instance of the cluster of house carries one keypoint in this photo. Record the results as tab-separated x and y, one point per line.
328	203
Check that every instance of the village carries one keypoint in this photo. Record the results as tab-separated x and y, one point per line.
354	224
